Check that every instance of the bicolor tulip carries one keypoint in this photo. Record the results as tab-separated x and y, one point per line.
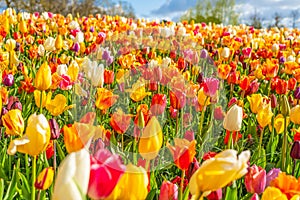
210	86
151	140
43	78
105	99
106	171
255	101
183	152
73	176
177	99
233	118
255	179
13	122
295	114
158	104
219	171
44	179
120	121
36	138
137	179
264	115
168	190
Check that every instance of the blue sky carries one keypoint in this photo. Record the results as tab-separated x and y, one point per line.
173	9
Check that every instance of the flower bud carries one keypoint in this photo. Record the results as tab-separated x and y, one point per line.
285	106
141	121
273	101
295	151
54	129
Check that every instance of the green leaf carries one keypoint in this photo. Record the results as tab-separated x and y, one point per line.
231	192
12	188
1	188
186	193
151	195
24	186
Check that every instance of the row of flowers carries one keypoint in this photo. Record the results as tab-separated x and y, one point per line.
133	109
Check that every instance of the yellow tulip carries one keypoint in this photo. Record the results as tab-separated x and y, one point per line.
13	122
73	71
273	193
219	171
255	101
57	105
279	123
36	138
44	179
73	175
151	139
132	185
23	26
295	114
202	98
10	45
59	42
138	91
264	115
45	98
43	77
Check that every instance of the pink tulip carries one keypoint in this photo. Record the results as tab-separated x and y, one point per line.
210	87
106	170
215	195
255	197
255	179
168	190
271	175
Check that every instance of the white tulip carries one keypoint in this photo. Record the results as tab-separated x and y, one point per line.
49	44
41	50
225	52
233	118
62	69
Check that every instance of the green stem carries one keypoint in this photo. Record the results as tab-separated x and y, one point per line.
26	166
260	142
229	141
33	178
181	185
284	147
41	102
202	117
122	143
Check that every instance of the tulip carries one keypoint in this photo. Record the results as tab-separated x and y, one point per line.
202	98
183	152
219	171
158	104
120	121
285	106
233	118
108	76
295	114
264	116
57	105
13	122
59	42
210	86
279	123
8	80
106	171
49	44
43	79
271	175
218	113
255	101
54	128
36	138
244	83
138	91
168	190
177	99
273	193
255	179
37	98
151	140
295	150
95	73
73	71
225	53
137	179
73	176
297	93
215	195
72	139
254	197
44	179
105	99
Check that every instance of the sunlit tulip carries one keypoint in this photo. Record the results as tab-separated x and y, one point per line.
225	53
272	193
37	98
219	171
73	177
158	104
57	105
151	140
120	121
59	42
108	76
288	184
279	123
183	152
168	190
138	91
137	179
177	99
264	115
36	138
255	101
10	44
295	114
105	99
233	118
106	171
43	77
44	179
41	50
255	179
73	71
13	122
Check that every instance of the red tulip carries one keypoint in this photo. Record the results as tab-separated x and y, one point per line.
177	99
108	76
189	135
235	137
292	82
281	87
245	83
106	170
215	195
120	121
168	190
158	104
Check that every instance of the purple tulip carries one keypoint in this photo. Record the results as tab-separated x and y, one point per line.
3	112
92	29
168	190
297	93
54	128
76	47
272	174
8	80
203	54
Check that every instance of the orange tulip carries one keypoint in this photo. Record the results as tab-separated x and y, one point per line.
120	121
105	99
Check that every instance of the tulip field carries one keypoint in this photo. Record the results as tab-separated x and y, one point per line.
107	107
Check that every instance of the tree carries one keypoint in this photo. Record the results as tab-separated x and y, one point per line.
294	16
216	11
277	19
256	20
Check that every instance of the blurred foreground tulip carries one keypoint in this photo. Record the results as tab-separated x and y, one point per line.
132	185
219	171
44	179
106	171
233	118
151	140
73	176
13	122
43	77
36	138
